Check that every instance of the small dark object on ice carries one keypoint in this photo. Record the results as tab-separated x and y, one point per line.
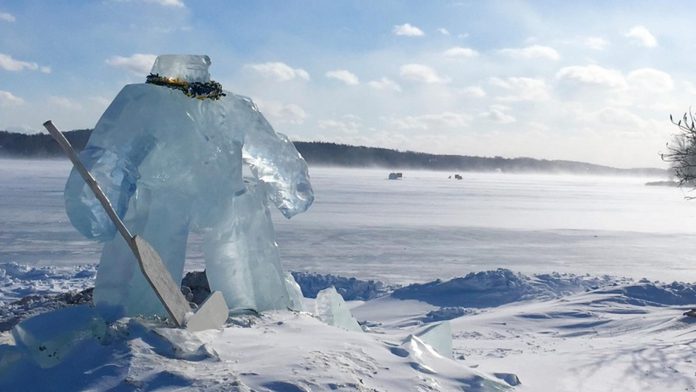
396	176
690	313
195	285
509	378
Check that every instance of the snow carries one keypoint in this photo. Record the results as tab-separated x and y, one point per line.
419	229
495	288
350	288
20	280
538	277
562	333
275	353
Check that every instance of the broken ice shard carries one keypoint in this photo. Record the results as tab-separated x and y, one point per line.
332	309
49	337
438	336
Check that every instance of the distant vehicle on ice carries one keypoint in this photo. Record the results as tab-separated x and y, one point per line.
396	176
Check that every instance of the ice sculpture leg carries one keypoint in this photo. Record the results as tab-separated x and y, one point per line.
242	259
161	218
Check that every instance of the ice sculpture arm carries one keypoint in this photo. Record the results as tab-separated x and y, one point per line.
275	162
116	148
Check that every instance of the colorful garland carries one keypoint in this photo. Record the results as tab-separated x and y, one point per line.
207	90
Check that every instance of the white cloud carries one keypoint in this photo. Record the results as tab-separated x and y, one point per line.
459	52
407	30
443	31
522	89
689	87
532	52
384	84
593	75
138	63
421	73
349	124
596	43
431	121
474	92
650	80
164	3
9	99
496	113
279	71
625	120
7	17
64	103
642	36
10	64
344	76
280	113
168	3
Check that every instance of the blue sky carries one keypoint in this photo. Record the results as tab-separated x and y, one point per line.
592	80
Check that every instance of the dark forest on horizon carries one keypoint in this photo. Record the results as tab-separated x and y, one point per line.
19	145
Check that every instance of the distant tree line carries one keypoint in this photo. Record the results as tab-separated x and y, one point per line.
39	145
332	154
322	153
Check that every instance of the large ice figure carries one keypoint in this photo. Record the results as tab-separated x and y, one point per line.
169	153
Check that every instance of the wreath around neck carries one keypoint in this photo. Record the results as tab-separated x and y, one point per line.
207	90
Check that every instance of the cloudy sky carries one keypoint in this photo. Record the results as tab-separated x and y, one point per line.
592	80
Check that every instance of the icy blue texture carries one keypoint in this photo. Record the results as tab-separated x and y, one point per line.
182	67
438	336
170	164
333	310
49	337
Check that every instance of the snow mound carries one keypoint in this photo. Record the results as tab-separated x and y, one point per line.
280	351
311	284
447	313
351	289
19	280
32	305
645	293
494	288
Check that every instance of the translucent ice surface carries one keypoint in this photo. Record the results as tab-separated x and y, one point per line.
182	67
332	309
171	164
295	292
50	337
439	337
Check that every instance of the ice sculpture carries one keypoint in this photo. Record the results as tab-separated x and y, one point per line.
332	309
169	154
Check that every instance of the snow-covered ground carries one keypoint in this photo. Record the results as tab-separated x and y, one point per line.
594	326
547	332
417	229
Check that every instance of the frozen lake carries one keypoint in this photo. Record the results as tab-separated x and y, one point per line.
416	229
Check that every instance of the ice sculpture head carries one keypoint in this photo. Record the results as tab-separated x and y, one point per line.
188	67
